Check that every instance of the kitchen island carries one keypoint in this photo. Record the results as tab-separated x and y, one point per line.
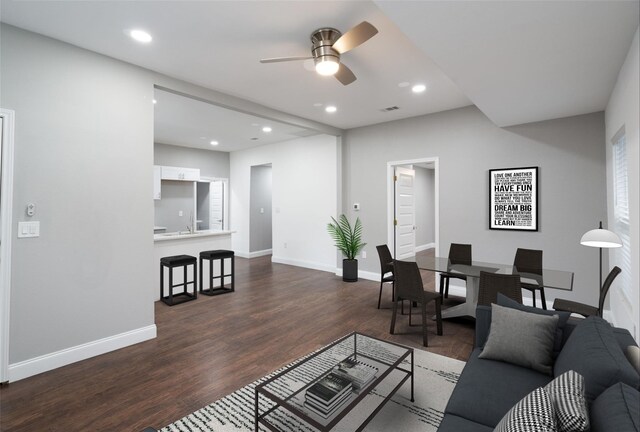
186	243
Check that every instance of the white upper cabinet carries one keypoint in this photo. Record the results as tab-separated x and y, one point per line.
178	173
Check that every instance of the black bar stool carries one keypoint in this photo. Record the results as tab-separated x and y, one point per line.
221	255
172	262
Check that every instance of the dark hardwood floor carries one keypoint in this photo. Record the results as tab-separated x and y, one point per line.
210	347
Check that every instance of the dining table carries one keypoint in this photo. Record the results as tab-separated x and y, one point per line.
554	279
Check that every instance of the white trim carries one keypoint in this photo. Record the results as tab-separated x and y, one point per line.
259	253
436	199
47	362
8	120
425	247
305	264
363	275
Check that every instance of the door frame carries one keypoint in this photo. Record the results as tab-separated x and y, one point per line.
6	213
391	238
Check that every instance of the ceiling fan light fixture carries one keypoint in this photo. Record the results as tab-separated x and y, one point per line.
327	66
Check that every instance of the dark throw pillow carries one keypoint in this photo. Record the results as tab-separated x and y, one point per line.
521	338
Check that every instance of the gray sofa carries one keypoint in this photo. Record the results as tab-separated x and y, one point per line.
488	389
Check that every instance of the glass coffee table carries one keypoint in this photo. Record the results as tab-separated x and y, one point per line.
283	395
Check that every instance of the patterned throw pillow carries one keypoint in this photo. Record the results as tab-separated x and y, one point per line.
567	395
534	413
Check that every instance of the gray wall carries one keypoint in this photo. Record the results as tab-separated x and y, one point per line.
260	225
211	163
568	151
84	156
176	196
425	206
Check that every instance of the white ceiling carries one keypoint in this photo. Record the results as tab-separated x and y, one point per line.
518	61
187	122
524	61
218	44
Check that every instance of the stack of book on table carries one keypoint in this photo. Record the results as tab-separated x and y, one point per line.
359	373
328	394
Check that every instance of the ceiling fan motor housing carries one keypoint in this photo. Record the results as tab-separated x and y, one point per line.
322	41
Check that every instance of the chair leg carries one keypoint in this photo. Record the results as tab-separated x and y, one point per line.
542	299
441	286
393	290
533	293
410	314
424	323
439	316
393	316
380	295
446	289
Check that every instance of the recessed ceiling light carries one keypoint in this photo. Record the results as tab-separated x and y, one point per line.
403	84
266	129
140	36
331	109
155	101
418	88
214	143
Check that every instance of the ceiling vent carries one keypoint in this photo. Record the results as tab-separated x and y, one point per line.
391	108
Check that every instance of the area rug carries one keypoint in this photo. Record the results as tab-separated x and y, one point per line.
435	378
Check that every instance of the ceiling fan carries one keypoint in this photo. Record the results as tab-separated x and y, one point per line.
327	44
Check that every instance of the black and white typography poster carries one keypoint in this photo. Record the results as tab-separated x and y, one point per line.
513	199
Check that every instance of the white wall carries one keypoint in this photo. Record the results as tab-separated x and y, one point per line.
572	184
623	110
84	156
304	175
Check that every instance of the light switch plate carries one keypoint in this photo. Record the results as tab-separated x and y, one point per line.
28	229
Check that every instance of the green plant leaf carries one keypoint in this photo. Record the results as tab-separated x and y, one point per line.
347	239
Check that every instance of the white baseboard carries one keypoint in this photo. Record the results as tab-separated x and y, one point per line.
242	254
47	362
306	264
425	247
259	253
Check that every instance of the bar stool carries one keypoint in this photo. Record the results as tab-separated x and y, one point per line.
221	255
172	262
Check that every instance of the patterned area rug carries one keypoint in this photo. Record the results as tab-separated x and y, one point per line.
435	377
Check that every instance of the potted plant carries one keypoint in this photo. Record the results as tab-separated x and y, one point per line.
348	241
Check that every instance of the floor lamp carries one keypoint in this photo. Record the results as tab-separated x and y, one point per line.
601	238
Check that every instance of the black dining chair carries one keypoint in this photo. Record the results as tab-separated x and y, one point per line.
458	254
386	270
584	309
408	286
493	283
530	261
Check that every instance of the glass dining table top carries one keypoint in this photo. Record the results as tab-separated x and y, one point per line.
556	279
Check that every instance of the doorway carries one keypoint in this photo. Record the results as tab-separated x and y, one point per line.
6	202
412	207
260	211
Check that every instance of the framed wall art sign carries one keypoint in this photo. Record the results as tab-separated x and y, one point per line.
513	199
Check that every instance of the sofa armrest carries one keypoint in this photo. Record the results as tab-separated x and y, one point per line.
483	325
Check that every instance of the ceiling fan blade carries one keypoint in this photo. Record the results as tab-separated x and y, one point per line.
354	37
344	75
284	59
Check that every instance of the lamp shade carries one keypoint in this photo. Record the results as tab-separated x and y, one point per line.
601	238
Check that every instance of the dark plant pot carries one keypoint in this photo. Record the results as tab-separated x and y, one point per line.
350	270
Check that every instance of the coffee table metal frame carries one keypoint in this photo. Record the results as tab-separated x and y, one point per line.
260	418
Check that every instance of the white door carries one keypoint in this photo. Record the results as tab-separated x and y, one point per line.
216	199
404	214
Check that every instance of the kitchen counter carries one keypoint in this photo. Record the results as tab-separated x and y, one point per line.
186	235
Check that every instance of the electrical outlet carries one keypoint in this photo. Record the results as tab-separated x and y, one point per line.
180	213
364	254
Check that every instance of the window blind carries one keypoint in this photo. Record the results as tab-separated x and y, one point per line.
621	211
